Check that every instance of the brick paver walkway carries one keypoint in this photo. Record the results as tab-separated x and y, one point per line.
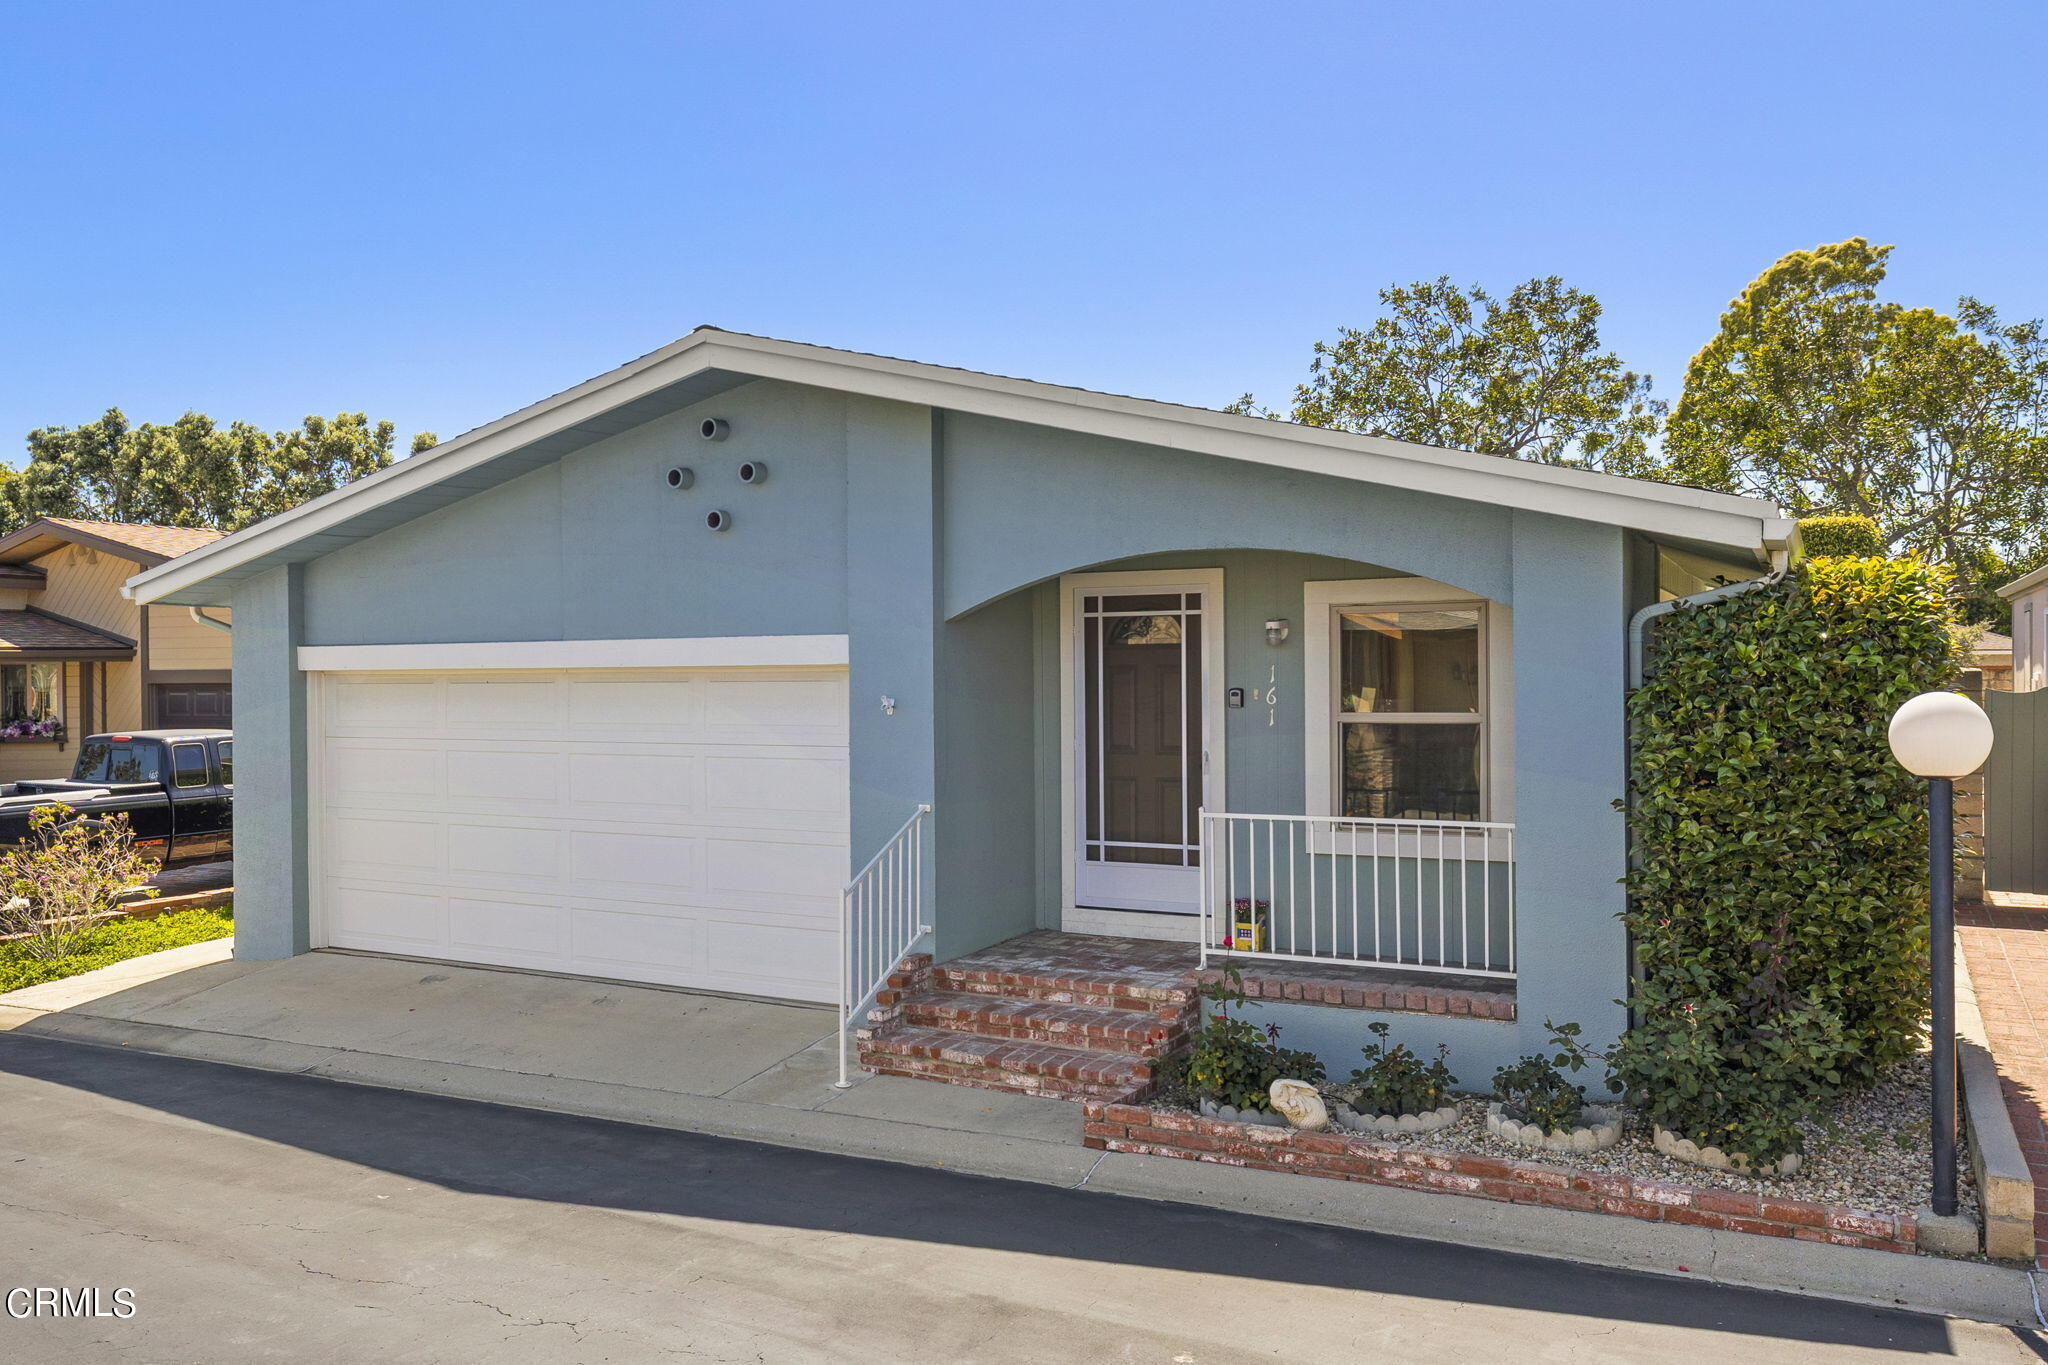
2007	951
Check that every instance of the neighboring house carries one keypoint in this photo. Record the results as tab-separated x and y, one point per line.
77	656
1991	654
2029	598
627	684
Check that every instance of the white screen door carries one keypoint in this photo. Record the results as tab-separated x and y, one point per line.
1141	747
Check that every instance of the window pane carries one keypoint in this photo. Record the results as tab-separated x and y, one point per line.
1426	660
1411	772
227	762
188	762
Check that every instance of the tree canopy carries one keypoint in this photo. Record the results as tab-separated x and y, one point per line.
1823	397
191	472
1522	376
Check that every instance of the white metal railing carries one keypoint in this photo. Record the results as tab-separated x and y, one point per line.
1421	895
881	918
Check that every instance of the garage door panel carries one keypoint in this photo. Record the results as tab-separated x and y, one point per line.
634	781
800	784
486	778
609	859
538	933
622	942
390	917
359	842
359	770
408	706
680	826
510	852
799	955
666	708
491	705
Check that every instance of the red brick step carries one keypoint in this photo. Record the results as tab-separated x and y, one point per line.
1025	1066
1078	1026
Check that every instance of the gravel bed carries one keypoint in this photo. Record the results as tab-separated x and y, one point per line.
1870	1151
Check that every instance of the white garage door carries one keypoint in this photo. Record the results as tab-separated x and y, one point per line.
684	826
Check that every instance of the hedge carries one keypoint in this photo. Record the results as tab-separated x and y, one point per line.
1855	536
1777	902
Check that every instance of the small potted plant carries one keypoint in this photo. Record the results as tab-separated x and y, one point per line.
1535	1105
1397	1092
1248	926
1232	1063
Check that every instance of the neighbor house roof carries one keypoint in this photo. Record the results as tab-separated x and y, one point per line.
710	361
144	545
38	632
1990	644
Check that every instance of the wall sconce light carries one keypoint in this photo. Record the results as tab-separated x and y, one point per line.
1276	632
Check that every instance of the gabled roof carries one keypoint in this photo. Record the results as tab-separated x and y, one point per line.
710	361
148	546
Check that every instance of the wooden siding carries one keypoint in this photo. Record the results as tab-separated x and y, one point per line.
179	644
85	585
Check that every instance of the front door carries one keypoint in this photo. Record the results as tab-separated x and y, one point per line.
1141	742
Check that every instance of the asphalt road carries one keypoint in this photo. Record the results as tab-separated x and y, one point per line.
257	1216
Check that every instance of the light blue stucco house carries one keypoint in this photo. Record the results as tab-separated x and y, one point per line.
632	682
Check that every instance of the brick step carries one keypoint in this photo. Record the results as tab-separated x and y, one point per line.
1025	1066
1080	1026
964	976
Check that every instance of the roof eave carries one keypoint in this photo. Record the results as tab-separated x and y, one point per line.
1639	504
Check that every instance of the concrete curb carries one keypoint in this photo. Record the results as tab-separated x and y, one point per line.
1973	1289
2005	1183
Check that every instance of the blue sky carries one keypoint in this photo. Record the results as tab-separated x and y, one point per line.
437	212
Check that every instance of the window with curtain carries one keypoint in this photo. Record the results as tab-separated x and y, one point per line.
31	699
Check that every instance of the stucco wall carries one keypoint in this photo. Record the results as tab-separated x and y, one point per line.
597	547
934	541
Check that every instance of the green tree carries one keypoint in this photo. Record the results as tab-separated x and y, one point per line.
192	472
1819	395
1522	376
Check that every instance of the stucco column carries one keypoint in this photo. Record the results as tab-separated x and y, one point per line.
1570	841
270	768
891	603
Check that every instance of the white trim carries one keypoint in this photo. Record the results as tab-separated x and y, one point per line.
1659	509
1209	582
704	651
1319	603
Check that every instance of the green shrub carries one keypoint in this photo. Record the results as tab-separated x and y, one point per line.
114	941
1854	536
1232	1061
1534	1089
1396	1081
1777	892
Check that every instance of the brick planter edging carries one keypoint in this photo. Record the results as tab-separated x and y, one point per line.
1348	993
1124	1126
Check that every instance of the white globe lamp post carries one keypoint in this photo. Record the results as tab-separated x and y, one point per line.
1942	736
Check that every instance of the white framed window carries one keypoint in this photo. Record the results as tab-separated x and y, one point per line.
1409	699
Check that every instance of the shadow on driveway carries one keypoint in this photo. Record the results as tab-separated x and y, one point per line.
493	1150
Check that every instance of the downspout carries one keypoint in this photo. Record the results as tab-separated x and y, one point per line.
199	615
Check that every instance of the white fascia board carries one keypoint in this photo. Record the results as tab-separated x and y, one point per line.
708	651
2024	582
1718	518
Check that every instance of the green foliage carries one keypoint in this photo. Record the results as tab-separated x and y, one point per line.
1232	1061
1856	536
64	875
1777	899
192	472
1395	1081
1535	1088
1822	397
1521	376
114	941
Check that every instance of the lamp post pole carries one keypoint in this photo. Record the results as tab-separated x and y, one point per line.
1941	953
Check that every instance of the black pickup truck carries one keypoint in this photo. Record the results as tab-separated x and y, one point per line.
177	788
